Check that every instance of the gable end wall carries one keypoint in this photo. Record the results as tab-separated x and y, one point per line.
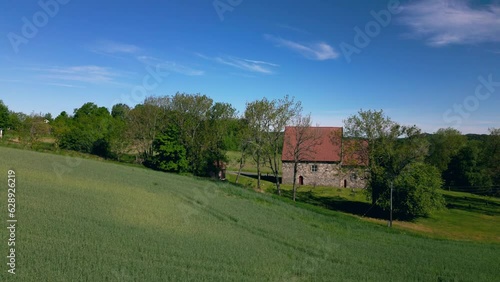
328	174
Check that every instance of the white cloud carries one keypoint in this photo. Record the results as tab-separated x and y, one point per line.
89	74
244	64
170	66
112	47
445	22
315	51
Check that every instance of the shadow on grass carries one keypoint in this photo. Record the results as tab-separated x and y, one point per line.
338	204
482	206
263	176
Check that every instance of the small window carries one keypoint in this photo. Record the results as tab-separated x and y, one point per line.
314	168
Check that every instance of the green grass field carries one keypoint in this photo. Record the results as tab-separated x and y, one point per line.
89	220
250	166
467	216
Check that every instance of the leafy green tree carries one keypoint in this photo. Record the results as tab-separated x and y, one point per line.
48	117
170	154
232	137
219	119
34	127
61	126
492	156
144	122
468	170
89	130
120	111
445	144
417	191
118	134
4	116
16	120
191	113
257	114
391	148
18	126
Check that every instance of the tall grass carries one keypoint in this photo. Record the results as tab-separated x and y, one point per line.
106	222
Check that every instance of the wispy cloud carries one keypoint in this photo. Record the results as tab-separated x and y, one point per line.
243	64
445	22
170	66
65	85
112	47
314	51
88	74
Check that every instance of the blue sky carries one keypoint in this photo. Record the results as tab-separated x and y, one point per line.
430	63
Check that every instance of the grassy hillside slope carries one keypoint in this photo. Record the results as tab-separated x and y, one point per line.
96	221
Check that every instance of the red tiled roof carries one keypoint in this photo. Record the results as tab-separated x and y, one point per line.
326	149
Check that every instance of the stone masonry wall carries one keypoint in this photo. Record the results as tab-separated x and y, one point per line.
327	174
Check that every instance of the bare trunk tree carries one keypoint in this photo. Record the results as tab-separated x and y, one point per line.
283	112
242	164
302	140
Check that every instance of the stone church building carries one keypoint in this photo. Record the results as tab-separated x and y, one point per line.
324	157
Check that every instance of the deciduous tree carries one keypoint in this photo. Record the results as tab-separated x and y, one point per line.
301	143
445	144
417	191
391	149
281	115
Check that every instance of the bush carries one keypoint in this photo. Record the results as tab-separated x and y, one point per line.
416	191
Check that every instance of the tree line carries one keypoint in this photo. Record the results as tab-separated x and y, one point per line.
182	133
186	133
415	164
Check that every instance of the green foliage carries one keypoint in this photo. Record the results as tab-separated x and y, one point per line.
392	148
90	130
95	221
33	128
233	137
200	127
4	116
16	120
469	168
266	120
120	111
492	159
169	155
445	144
417	191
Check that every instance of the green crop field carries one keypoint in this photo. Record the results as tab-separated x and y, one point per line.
88	220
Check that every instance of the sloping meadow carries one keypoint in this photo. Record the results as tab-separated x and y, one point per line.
85	220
